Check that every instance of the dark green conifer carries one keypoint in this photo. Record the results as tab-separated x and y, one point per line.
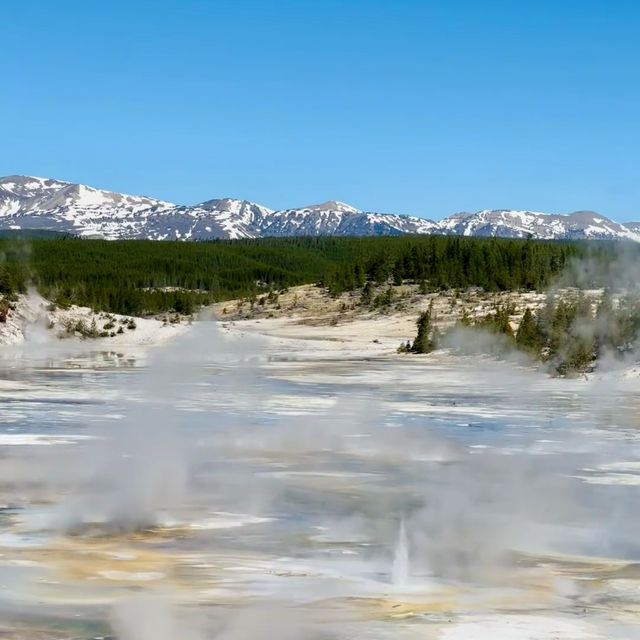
422	342
528	336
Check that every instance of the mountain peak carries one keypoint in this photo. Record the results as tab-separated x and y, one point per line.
230	205
23	184
29	202
521	224
332	205
21	179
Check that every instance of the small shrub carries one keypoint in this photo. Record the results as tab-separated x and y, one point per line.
405	347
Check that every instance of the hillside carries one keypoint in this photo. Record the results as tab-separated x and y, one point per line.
149	277
40	203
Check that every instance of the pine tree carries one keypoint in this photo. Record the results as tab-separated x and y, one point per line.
7	285
422	343
528	336
366	295
502	324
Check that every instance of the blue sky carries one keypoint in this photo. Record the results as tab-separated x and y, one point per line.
401	106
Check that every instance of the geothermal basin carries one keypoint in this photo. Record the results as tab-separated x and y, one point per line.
229	485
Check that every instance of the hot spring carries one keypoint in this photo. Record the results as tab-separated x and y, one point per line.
226	486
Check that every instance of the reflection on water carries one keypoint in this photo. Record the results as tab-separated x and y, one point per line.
219	485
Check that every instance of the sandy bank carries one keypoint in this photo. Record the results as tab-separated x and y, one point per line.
315	320
307	320
34	320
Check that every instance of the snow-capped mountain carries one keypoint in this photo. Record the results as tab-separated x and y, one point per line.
520	224
225	218
340	219
40	203
633	226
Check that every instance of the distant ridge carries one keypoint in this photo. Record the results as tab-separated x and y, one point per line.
30	203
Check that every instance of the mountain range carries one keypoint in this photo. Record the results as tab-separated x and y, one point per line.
40	203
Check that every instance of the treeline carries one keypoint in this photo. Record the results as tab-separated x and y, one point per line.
147	277
569	333
572	333
138	277
493	264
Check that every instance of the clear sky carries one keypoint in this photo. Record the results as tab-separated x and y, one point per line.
403	106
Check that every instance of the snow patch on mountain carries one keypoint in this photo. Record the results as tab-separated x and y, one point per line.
28	202
522	224
331	205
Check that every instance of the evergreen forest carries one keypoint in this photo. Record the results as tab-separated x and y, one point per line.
140	277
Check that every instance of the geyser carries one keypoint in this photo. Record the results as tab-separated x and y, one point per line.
400	567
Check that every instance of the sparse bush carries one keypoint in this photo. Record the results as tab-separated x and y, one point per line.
405	347
366	295
384	299
79	327
497	322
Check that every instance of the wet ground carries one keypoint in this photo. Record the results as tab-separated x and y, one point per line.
216	488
